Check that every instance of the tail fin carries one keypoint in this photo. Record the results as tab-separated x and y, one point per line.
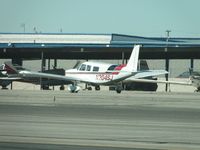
133	60
9	68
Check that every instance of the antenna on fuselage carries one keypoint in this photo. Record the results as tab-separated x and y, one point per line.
77	63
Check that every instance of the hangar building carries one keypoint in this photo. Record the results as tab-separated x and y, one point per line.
22	46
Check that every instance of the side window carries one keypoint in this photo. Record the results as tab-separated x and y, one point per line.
95	68
112	67
82	68
88	68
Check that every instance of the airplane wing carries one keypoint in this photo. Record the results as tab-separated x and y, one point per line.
189	83
33	74
139	77
10	78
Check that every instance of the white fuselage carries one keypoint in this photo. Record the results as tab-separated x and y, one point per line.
96	73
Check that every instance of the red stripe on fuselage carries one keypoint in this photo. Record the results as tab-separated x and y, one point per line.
118	68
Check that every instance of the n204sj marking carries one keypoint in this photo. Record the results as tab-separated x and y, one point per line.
104	77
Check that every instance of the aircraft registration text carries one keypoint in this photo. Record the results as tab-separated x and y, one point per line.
104	77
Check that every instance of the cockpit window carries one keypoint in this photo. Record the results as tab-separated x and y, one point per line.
88	68
112	67
95	68
82	67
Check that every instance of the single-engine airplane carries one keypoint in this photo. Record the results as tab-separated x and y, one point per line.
96	73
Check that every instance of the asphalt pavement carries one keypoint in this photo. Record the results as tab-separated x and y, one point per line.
99	120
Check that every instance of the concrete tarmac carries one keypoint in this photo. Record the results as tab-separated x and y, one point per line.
99	120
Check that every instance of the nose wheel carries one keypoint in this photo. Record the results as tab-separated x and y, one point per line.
73	88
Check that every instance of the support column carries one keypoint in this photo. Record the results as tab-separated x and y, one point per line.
192	64
54	67
123	58
55	63
166	75
11	85
167	59
49	64
42	67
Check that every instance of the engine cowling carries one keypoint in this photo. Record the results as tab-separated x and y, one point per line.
74	88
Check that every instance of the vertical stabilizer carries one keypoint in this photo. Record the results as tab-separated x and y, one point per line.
8	66
133	60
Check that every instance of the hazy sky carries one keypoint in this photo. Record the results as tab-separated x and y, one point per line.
133	17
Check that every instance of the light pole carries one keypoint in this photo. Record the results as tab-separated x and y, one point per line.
35	29
168	32
23	25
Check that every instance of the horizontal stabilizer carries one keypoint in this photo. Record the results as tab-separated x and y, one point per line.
148	73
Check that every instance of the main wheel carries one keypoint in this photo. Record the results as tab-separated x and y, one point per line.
97	87
62	87
89	88
118	89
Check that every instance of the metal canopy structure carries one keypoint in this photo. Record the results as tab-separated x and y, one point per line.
95	46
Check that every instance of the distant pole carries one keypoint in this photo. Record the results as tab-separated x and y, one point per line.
61	30
23	25
35	29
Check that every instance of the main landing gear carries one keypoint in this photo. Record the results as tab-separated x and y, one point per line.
97	88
